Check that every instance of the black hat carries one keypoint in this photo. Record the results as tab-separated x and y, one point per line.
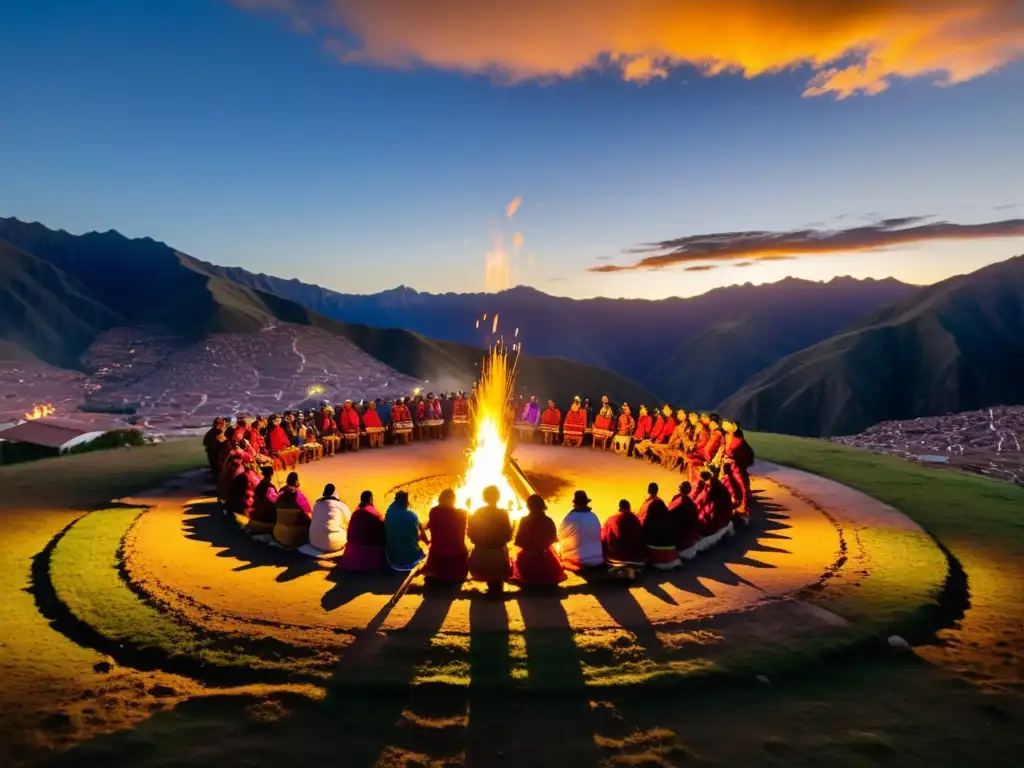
580	498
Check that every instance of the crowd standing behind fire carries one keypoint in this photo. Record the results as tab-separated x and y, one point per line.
709	452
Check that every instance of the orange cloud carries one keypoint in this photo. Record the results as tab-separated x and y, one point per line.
851	46
744	249
512	207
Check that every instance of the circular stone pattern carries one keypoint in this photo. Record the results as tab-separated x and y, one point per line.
750	599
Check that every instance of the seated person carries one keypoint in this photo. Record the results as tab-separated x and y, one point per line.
644	430
550	421
685	521
659	534
293	515
490	531
603	426
713	503
328	530
530	416
366	536
348	419
575	424
264	511
579	536
448	558
652	496
242	495
622	538
213	443
735	458
404	534
537	562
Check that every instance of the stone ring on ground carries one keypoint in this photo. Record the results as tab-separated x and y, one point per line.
821	569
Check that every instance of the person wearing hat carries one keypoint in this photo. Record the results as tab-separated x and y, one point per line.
579	536
622	538
537	562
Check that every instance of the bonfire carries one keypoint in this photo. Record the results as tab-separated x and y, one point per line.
40	411
488	455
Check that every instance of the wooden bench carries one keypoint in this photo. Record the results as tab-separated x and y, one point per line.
351	441
402	432
311	452
550	434
331	443
525	432
574	439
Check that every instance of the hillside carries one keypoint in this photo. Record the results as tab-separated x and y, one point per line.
116	282
955	346
694	351
44	312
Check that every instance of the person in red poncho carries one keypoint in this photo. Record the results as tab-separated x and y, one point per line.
460	409
735	458
685	522
448	557
575	424
627	424
550	422
642	433
277	438
671	436
643	448
366	538
325	423
659	532
714	505
603	426
537	563
622	538
348	421
242	494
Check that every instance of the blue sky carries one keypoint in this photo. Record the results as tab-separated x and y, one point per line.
240	142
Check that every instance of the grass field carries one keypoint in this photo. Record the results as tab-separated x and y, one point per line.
887	711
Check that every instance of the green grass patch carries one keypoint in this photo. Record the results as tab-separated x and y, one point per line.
90	480
948	504
85	576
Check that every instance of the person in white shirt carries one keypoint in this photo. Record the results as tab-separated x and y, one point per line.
328	531
579	536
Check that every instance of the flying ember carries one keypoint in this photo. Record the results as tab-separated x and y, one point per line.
488	456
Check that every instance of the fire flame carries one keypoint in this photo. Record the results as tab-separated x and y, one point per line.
492	430
41	411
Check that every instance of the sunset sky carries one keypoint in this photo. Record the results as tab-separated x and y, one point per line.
584	147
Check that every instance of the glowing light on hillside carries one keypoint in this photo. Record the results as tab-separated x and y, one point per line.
494	325
488	454
41	411
314	390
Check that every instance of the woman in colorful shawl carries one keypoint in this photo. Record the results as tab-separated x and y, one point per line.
448	558
490	531
367	538
537	562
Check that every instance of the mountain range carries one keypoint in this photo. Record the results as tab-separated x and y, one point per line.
811	358
954	346
694	351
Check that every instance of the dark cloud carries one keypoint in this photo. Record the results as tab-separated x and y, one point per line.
758	246
701	268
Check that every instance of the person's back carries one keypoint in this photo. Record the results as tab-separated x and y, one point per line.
579	535
328	530
448	558
490	530
293	515
622	537
402	528
367	538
